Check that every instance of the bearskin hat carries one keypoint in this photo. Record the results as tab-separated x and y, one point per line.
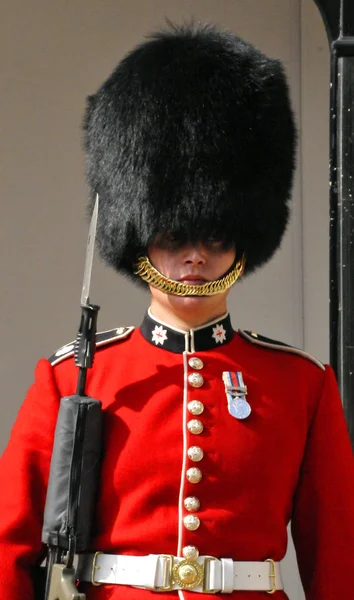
193	133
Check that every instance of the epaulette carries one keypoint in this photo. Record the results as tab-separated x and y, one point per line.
102	339
260	340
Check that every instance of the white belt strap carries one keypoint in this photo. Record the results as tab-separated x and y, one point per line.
162	572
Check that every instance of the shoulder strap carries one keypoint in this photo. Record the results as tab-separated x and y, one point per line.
102	339
259	340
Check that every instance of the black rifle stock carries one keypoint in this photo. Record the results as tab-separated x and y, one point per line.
74	473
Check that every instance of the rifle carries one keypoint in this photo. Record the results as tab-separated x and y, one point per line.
75	463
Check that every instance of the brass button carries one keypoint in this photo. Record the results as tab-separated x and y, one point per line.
194	475
196	363
190	552
191	522
196	380
195	407
192	504
195	453
195	426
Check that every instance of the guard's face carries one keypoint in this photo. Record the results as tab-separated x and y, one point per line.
192	264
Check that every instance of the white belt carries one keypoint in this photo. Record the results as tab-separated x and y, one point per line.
162	572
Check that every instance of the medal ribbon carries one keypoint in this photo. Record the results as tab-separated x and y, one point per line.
234	383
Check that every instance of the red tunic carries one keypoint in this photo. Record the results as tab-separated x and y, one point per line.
290	459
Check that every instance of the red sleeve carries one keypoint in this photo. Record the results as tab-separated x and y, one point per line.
24	469
323	518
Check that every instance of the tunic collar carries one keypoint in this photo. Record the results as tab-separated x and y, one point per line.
208	336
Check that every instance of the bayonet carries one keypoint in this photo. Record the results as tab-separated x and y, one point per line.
86	337
89	256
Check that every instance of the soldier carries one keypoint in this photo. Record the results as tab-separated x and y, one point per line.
213	439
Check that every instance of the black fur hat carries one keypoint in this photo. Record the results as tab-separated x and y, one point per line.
192	133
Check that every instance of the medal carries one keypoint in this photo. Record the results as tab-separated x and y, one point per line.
236	392
240	409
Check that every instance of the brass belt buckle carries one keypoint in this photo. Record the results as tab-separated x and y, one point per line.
272	576
94	569
188	574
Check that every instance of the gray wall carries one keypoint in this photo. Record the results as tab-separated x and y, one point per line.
53	54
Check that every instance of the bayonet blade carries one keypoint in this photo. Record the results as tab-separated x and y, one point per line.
85	294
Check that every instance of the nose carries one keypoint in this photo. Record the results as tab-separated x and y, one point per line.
194	255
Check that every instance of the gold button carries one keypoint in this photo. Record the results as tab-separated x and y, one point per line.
196	380
195	453
196	363
195	407
191	522
192	504
194	475
195	426
190	552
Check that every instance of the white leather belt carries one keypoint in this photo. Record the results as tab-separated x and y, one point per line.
162	572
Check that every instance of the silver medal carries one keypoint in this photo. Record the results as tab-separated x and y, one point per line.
236	392
239	408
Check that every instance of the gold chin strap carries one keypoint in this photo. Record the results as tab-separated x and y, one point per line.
148	273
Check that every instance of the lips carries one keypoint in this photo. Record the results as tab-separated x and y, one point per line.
193	279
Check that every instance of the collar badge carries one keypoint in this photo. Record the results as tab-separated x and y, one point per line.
219	334
159	335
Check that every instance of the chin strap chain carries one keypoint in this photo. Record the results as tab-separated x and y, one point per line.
152	276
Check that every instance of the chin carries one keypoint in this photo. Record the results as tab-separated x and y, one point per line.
193	302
